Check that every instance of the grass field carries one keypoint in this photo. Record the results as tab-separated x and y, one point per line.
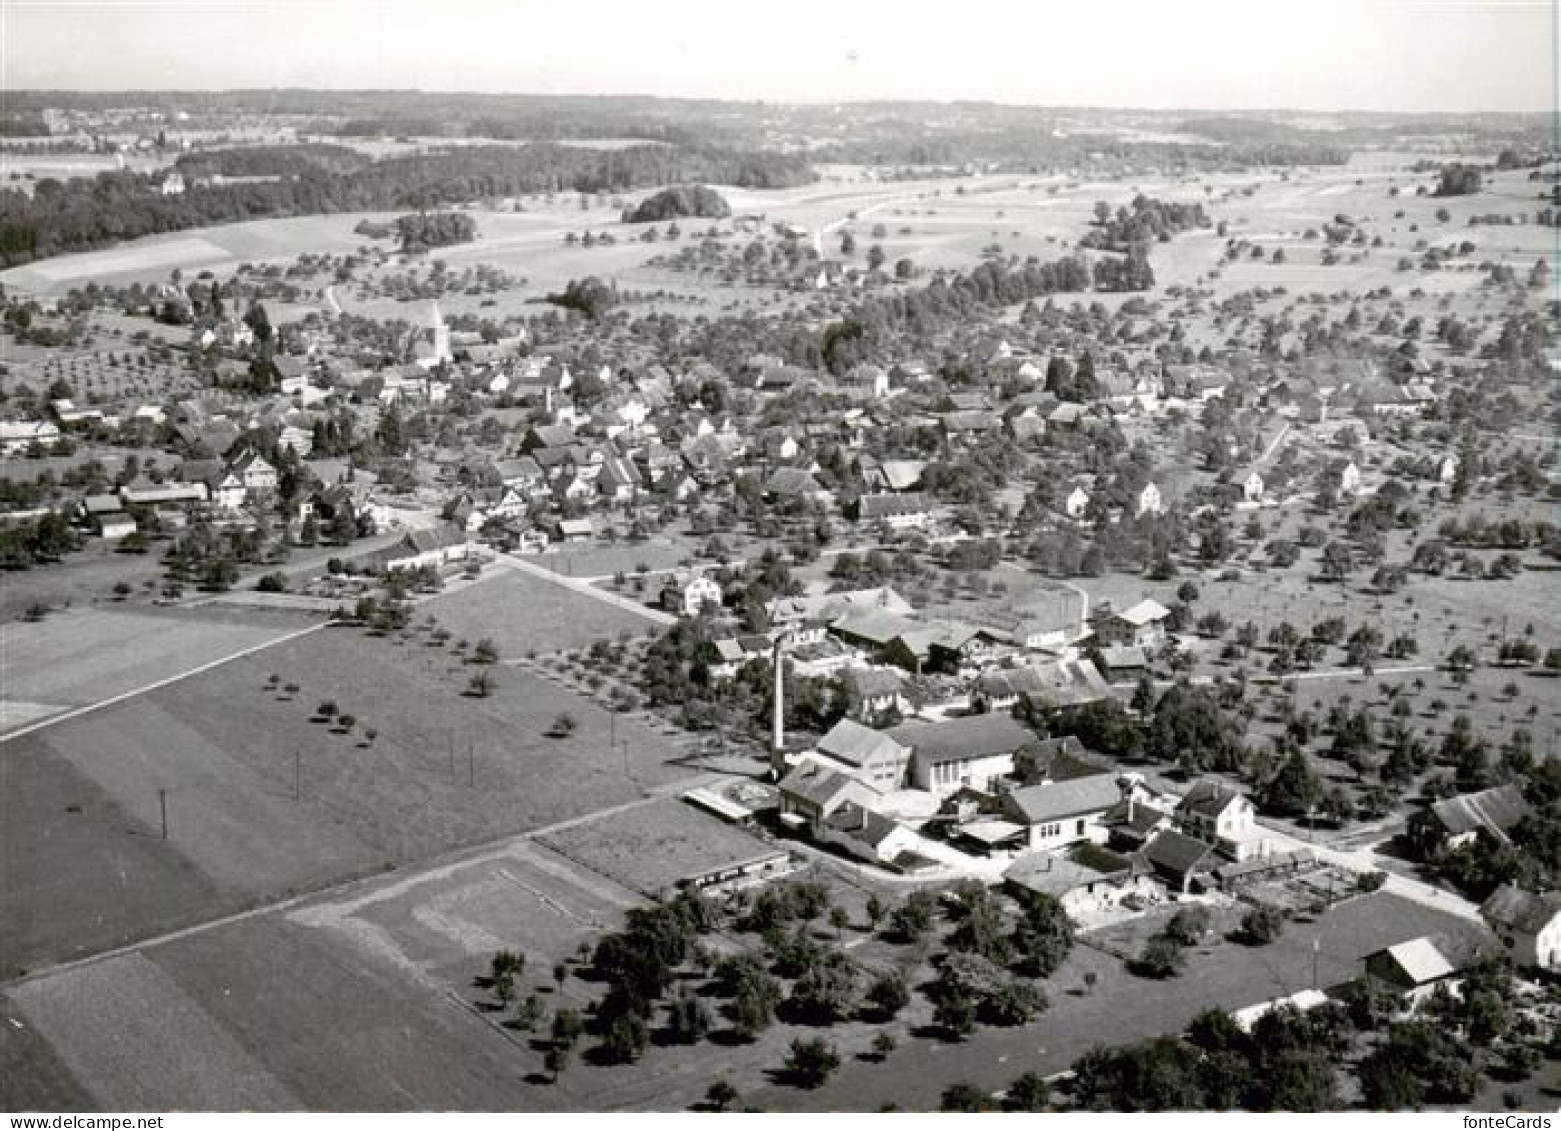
521	613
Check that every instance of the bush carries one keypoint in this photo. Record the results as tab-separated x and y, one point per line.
272	583
1262	925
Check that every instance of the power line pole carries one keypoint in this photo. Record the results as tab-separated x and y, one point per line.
471	766
298	760
162	804
1316	948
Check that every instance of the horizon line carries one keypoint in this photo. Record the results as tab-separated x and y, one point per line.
788	102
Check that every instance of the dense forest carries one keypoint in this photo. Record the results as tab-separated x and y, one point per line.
82	214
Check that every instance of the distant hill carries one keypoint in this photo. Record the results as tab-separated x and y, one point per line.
677	203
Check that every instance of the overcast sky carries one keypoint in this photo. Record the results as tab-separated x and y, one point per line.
1220	54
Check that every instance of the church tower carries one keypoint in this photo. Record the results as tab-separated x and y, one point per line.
440	335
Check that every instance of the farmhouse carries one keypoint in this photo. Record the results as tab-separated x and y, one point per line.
868	835
1184	863
1528	925
1455	821
907	511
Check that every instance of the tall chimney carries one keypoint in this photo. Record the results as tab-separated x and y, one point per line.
778	736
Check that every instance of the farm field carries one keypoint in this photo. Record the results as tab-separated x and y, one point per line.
81	656
444	771
522	613
79	873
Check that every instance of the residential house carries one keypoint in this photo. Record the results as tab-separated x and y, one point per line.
1223	817
256	472
688	594
1060	684
1149	501
1142	625
868	835
1076	503
1059	813
1084	889
1528	924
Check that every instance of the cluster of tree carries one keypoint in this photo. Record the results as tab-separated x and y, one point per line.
1146	221
677	203
590	296
1130	272
1286	1063
639	964
424	230
35	541
1458	180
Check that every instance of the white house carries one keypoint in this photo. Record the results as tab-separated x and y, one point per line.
1528	925
1149	500
688	594
1073	506
970	751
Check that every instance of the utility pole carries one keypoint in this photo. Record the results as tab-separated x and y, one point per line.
471	766
162	803
1316	949
298	760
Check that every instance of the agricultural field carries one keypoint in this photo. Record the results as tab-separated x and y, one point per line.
80	656
521	614
267	797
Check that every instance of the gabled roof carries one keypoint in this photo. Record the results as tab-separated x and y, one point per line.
1176	852
1059	800
1418	959
1050	874
1145	612
862	824
1208	799
974	736
1511	906
818	785
1494	810
857	745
